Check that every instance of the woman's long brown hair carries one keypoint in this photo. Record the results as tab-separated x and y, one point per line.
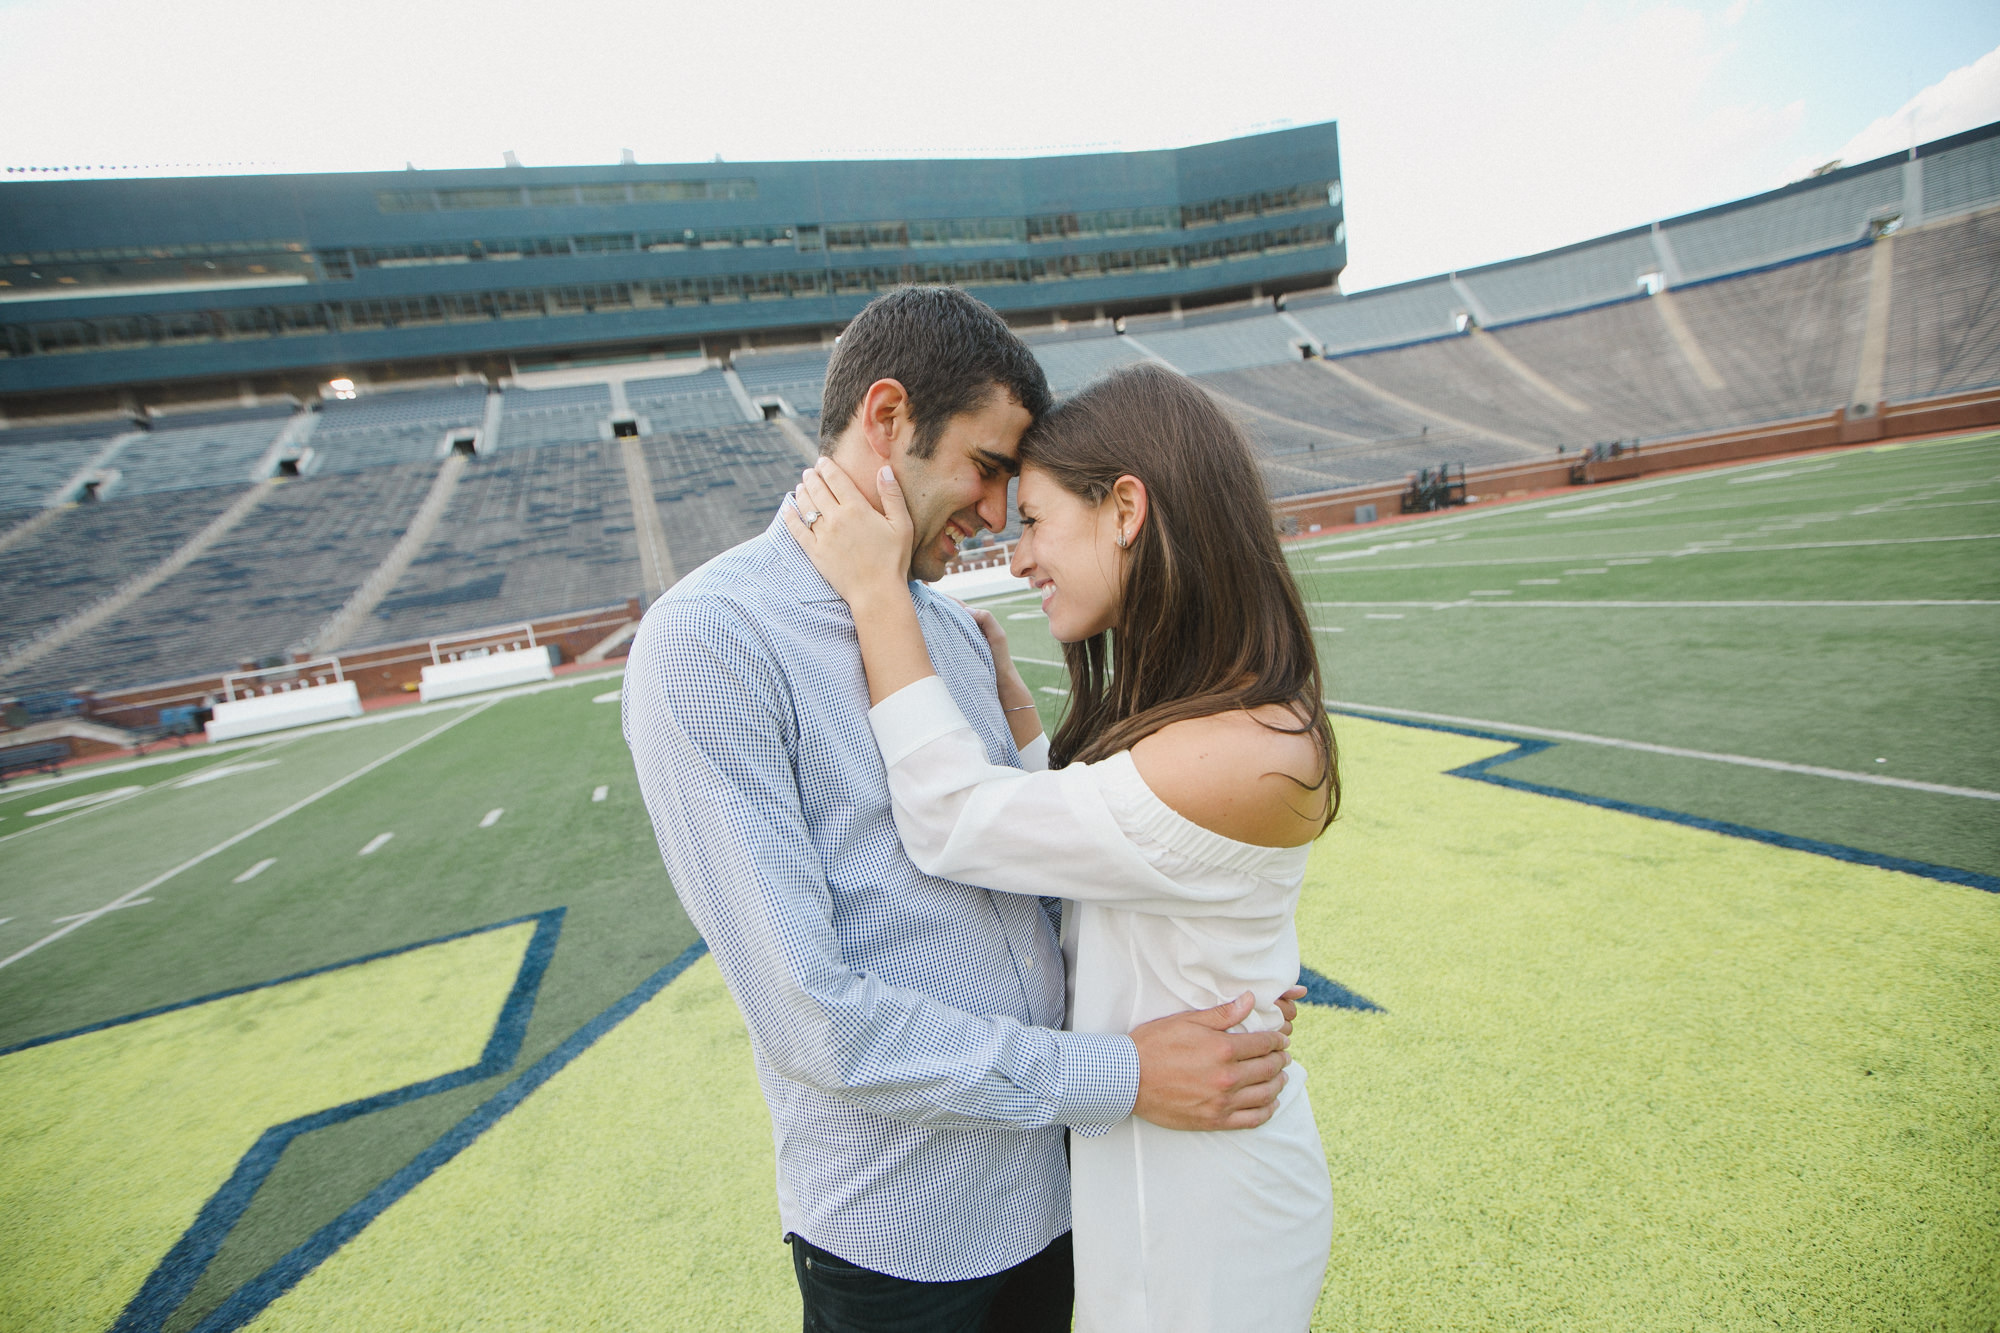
1211	620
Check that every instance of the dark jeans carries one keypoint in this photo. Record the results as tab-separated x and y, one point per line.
1034	1296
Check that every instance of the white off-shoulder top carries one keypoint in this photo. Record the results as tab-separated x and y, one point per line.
1163	915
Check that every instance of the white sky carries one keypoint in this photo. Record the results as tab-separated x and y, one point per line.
1470	131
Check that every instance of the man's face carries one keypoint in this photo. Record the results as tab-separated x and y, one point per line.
962	486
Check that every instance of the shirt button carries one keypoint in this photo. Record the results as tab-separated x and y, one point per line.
1031	960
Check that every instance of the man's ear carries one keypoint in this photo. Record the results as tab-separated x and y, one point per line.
885	417
1128	499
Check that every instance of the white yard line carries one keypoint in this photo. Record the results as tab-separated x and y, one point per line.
375	844
492	816
1042	661
258	827
1743	760
255	870
1597	603
75	814
599	794
1691	549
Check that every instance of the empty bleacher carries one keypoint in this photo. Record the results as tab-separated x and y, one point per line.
1812	217
1228	340
32	470
1944	314
567	415
1572	278
531	532
1622	361
1071	362
798	376
388	428
685	402
258	592
91	549
185	457
716	488
1385	317
1786	341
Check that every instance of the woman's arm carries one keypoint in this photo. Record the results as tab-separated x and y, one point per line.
865	557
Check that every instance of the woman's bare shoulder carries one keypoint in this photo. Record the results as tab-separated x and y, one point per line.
1254	777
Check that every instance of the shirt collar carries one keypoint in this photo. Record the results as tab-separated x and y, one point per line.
791	564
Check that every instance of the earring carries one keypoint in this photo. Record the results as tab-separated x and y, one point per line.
1121	541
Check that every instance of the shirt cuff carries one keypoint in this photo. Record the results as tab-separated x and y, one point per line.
913	717
1035	754
1101	1078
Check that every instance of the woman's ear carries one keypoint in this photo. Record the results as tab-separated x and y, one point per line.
1128	503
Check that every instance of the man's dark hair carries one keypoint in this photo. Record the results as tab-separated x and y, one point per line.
948	351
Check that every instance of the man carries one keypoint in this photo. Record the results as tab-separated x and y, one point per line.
906	1029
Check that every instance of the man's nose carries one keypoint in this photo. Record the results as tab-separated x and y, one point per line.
992	508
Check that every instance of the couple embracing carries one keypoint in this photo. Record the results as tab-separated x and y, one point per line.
1005	989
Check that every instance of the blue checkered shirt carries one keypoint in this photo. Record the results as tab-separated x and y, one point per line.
905	1027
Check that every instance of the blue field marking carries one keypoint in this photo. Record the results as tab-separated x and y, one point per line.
249	1300
1481	770
176	1274
1326	991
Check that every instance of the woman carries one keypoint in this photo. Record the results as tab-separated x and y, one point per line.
1192	773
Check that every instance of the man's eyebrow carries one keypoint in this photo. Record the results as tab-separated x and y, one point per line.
1010	466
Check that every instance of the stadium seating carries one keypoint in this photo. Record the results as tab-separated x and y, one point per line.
1622	361
716	488
1072	362
182	458
1944	329
31	471
91	549
532	532
1734	238
1569	279
391	428
797	376
259	592
1787	342
1199	346
1383	318
685	402
568	415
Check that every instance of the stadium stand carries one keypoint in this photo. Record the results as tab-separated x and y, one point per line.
32	470
389	428
685	402
183	458
1763	317
1572	278
1944	321
1386	317
1197	346
262	588
1072	362
535	531
1621	360
90	549
716	488
797	376
567	415
1736	237
1788	340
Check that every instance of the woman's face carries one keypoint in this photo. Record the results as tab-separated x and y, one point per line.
1069	551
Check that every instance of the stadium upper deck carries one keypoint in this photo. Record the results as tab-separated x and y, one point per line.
278	279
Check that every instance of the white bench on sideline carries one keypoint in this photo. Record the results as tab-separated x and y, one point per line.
489	671
287	708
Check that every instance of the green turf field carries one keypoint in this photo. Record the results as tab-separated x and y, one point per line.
1627	1071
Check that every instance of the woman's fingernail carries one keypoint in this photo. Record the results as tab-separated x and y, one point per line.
887	476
